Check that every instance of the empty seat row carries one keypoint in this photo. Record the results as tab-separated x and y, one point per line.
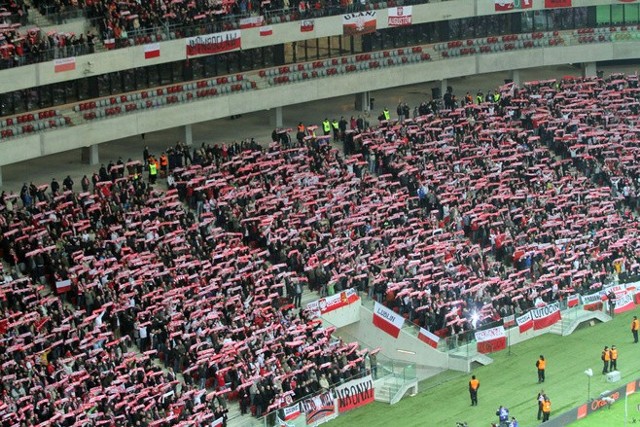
332	70
35	126
146	94
168	99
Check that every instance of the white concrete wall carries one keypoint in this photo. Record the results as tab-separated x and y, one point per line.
145	121
374	337
123	59
344	316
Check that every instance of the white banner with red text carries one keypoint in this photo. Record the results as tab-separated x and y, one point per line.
333	302
491	340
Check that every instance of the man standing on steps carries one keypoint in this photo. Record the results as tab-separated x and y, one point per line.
474	385
635	325
541	364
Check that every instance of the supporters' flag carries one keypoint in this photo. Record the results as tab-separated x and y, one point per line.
307	25
359	23
318	408
282	423
428	338
552	4
109	43
212	44
509	321
4	325
251	22
63	286
267	30
64	64
387	320
624	303
291	412
592	302
333	302
504	5
573	300
40	323
525	322
218	423
151	50
546	316
490	340
399	16
354	394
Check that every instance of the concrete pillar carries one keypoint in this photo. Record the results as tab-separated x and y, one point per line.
589	69
443	87
276	118
514	76
90	155
188	135
363	101
0	176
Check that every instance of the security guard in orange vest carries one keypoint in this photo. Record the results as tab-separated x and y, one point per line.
613	354
164	165
606	358
546	409
541	364
635	326
474	385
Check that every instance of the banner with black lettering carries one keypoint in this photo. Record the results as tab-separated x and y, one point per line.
359	23
319	409
212	44
354	394
546	316
591	302
399	16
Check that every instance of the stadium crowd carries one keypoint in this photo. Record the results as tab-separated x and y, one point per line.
126	304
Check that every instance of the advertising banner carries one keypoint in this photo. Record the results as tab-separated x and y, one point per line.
354	394
212	44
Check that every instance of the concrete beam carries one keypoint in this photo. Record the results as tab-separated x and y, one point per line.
188	135
276	117
90	155
589	69
363	101
514	76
